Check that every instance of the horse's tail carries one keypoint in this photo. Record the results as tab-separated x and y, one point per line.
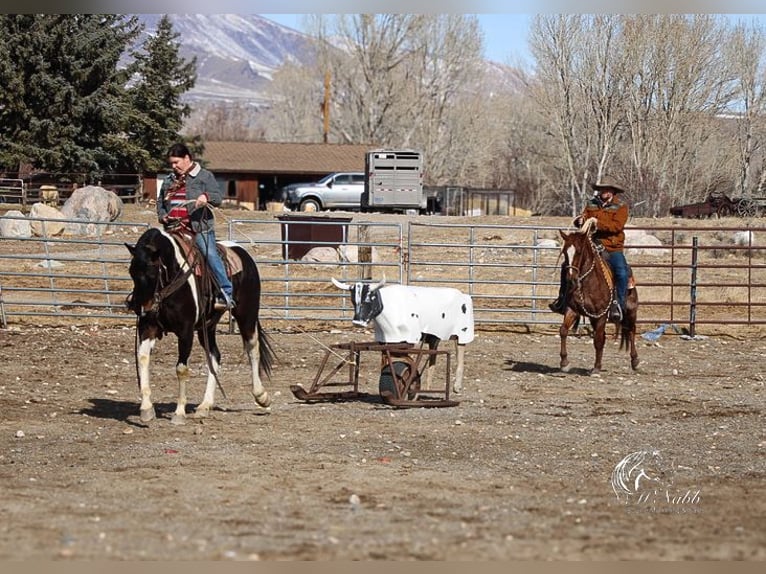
266	355
624	337
628	329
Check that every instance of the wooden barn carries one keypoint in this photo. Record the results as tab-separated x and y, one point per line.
252	173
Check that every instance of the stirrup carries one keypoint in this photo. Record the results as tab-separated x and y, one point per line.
615	312
222	303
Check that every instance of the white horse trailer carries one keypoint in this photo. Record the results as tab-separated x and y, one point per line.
393	181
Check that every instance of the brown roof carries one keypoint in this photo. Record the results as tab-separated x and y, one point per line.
264	157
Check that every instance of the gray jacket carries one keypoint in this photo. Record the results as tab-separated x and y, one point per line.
198	181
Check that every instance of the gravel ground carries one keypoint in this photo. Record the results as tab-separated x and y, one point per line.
520	469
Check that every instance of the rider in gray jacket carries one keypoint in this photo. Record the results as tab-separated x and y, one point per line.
184	199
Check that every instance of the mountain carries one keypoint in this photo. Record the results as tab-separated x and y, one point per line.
236	53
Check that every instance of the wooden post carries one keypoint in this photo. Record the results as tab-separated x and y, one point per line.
365	253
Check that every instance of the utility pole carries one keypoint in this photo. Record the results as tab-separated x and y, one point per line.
326	107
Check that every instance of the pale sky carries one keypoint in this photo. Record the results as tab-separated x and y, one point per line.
505	35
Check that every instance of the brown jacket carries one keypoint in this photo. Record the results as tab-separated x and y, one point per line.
611	222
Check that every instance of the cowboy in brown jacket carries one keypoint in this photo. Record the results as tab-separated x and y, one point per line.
611	214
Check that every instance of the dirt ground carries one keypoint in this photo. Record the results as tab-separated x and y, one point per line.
520	469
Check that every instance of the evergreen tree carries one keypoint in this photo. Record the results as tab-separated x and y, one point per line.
161	77
64	100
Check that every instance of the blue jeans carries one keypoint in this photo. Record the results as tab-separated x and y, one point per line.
205	240
619	265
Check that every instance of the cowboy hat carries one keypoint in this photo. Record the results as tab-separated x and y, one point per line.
608	182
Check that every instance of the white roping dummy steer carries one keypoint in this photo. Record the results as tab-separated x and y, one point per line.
407	314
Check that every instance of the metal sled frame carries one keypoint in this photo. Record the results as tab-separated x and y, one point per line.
405	385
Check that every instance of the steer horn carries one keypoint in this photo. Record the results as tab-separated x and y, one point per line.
349	287
339	285
376	286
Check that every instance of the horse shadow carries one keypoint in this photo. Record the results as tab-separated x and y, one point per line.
127	411
527	367
123	411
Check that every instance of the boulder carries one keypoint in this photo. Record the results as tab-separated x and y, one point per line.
744	238
637	241
547	243
321	255
14	224
91	204
45	220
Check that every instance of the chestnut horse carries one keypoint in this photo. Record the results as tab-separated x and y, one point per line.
169	296
589	293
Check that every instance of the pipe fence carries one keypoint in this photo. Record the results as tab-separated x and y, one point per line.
688	277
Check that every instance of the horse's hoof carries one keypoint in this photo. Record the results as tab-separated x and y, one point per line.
264	399
148	415
565	368
200	413
594	373
178	419
634	364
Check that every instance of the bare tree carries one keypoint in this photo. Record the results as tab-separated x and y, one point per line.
225	122
397	80
679	80
296	111
639	96
633	95
555	42
745	57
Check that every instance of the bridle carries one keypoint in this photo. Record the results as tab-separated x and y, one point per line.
164	287
162	292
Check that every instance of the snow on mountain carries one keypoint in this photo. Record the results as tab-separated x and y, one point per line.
236	53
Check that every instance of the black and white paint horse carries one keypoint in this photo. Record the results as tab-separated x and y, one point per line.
170	297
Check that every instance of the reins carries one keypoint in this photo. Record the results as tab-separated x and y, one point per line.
596	256
163	292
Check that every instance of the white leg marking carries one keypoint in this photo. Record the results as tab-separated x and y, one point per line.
253	350
179	416
208	400
144	355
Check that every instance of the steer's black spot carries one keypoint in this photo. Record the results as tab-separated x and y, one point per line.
444	315
464	309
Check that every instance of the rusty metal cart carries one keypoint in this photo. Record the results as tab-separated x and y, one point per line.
401	372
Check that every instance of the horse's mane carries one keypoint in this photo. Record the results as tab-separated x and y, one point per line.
153	243
149	238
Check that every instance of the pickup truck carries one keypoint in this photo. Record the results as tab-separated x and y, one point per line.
338	190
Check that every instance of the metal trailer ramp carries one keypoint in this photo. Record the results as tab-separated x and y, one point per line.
402	367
